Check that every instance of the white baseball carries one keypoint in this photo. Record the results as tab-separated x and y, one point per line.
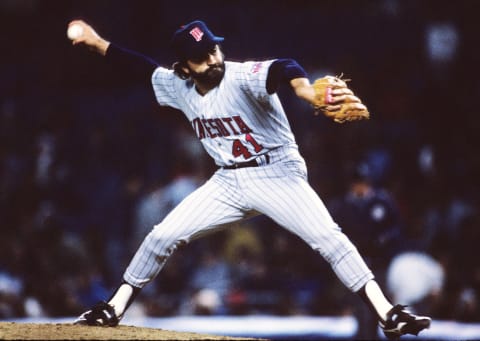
74	31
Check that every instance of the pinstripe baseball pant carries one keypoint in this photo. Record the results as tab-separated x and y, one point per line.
279	190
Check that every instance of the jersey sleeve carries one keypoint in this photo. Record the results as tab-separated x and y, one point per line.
253	77
164	84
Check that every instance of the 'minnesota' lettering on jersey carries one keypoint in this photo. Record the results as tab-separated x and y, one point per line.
220	127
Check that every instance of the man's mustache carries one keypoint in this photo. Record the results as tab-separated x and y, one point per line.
215	66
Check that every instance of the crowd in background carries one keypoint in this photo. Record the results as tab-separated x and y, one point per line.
88	163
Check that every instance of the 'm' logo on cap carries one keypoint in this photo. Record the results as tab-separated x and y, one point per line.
196	33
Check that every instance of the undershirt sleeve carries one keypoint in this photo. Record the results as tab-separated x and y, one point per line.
131	64
283	71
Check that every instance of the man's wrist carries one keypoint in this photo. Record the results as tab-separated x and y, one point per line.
102	46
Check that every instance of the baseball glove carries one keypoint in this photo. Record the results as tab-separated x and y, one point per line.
335	100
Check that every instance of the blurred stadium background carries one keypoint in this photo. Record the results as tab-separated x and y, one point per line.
88	162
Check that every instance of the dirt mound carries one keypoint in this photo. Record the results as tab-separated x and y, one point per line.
65	331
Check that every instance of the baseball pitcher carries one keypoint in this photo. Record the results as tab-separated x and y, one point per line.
235	112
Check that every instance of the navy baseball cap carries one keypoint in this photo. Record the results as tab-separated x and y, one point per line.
194	41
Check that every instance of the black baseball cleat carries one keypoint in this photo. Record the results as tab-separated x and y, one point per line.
101	314
400	322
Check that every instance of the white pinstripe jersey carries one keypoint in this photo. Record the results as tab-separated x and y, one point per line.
237	120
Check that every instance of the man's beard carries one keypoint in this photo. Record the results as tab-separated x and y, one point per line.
211	77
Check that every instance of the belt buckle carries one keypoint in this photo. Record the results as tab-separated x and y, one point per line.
262	160
259	161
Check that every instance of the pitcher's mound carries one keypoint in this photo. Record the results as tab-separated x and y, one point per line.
65	331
